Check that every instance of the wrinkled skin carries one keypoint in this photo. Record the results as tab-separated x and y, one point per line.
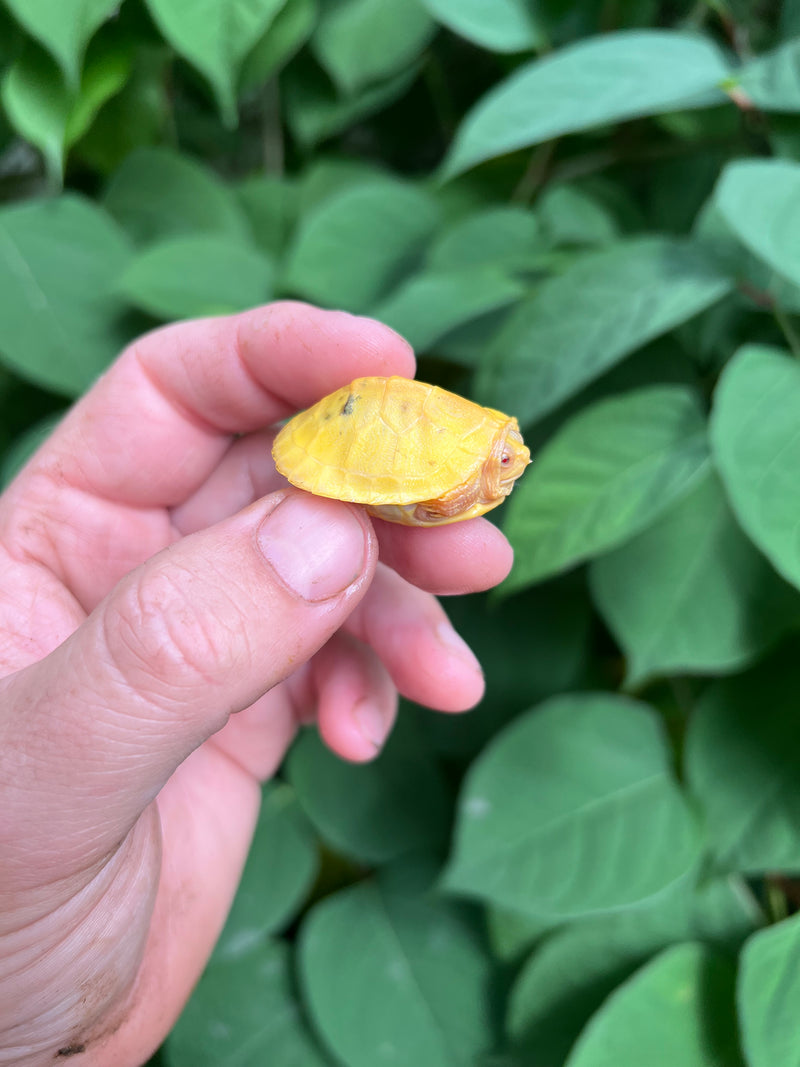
169	613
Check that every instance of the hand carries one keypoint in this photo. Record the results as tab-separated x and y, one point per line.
158	577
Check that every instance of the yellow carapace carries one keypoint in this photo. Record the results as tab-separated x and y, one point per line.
411	453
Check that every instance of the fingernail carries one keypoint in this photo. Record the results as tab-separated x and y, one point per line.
457	646
369	722
316	547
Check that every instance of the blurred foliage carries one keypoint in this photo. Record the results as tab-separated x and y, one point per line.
587	214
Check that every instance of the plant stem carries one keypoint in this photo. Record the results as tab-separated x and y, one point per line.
789	332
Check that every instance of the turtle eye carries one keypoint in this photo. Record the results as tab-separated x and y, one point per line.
505	459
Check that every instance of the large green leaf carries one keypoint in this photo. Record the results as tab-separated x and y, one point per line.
611	77
606	475
770	81
410	989
377	811
571	973
158	193
743	767
192	276
244	1012
360	42
760	201
351	248
755	440
63	27
215	36
507	237
280	868
577	325
710	602
60	319
430	304
573	809
768	994
679	1009
499	25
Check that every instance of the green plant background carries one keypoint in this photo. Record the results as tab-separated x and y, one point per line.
587	214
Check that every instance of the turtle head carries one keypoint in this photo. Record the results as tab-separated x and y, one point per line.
511	458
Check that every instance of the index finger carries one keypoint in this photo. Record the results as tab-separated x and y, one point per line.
156	424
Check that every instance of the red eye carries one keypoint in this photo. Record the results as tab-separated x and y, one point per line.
505	459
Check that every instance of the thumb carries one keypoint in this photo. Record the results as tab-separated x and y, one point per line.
201	630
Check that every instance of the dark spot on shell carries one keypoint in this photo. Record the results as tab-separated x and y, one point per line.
71	1050
349	404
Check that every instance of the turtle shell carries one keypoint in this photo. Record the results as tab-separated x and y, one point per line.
391	443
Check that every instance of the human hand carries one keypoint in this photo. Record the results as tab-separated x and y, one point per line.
158	577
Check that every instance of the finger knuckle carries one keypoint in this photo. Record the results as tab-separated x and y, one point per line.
165	630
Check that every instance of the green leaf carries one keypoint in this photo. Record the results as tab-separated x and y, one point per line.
215	36
38	104
605	305
606	475
428	305
314	111
193	276
413	993
679	1009
157	193
498	25
760	201
609	78
350	249
277	877
768	993
764	287
571	973
512	933
570	216
360	42
270	206
468	344
284	37
757	450
770	81
573	809
59	316
105	74
49	115
711	602
243	1011
530	647
377	811
131	119
63	27
743	767
505	237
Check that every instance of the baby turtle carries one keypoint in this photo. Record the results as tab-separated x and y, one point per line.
411	453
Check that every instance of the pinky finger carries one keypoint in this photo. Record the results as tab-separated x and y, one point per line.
356	698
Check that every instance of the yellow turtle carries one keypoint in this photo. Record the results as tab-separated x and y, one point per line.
411	453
